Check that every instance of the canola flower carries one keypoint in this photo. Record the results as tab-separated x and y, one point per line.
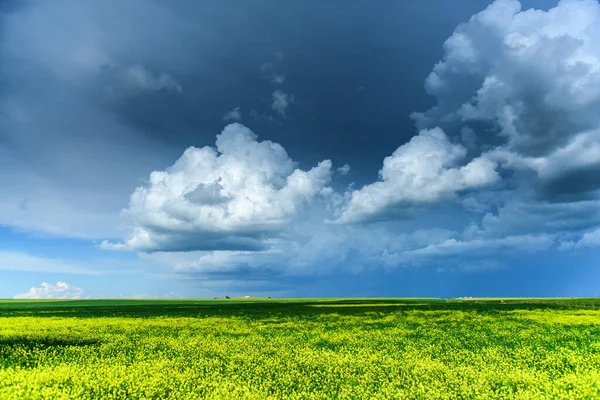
301	351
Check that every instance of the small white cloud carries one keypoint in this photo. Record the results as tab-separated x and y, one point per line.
233	115
344	169
61	290
277	79
281	101
144	79
269	70
137	78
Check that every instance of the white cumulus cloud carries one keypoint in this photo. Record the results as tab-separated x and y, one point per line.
424	170
232	197
61	290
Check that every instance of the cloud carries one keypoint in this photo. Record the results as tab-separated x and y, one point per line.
520	90
566	245
513	123
232	197
343	249
356	248
344	169
133	79
318	250
532	77
513	138
84	42
423	171
522	215
233	115
468	137
478	247
569	171
68	154
281	101
278	79
269	70
589	239
49	291
18	261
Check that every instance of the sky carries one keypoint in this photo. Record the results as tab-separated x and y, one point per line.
306	149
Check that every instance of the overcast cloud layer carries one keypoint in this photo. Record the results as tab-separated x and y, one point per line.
504	165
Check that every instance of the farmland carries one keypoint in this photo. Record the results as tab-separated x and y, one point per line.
322	349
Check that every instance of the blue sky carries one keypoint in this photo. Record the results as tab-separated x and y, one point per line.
201	149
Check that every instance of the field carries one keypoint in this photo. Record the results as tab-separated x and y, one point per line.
300	349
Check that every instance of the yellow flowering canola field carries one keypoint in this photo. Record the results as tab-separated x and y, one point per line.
300	349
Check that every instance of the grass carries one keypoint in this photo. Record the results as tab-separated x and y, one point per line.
300	348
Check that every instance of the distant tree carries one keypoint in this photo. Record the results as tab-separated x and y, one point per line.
227	297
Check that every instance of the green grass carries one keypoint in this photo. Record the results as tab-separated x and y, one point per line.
300	348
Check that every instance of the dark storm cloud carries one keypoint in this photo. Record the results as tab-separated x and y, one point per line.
572	186
198	60
69	157
171	242
96	95
348	74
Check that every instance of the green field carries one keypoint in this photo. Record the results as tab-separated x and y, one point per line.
300	349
